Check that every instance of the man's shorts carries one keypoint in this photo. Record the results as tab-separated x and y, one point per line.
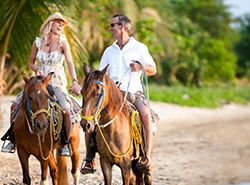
140	100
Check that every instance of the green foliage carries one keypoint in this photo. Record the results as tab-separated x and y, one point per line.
221	63
212	15
146	34
210	97
242	49
190	41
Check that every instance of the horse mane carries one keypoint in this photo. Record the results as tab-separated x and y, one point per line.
116	97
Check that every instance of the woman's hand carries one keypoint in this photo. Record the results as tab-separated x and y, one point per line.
75	88
39	72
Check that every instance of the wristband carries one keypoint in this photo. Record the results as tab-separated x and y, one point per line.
74	79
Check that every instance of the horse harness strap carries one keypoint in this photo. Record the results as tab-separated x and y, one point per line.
96	115
33	115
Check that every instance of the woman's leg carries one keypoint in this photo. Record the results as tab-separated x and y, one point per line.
10	147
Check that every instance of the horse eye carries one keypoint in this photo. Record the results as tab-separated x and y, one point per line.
30	98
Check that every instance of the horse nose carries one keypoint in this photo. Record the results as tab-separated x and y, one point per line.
83	125
86	126
41	126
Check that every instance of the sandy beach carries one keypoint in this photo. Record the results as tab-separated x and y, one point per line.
193	146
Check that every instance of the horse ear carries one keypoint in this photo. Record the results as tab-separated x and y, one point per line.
104	71
25	78
48	78
86	69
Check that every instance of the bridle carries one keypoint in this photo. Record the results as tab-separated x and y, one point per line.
49	112
34	115
99	107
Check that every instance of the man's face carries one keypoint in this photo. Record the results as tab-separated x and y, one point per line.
115	28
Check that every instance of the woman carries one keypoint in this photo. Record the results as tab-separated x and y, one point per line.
49	51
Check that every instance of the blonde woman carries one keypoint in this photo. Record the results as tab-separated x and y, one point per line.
50	51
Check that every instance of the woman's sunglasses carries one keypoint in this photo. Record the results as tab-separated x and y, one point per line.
113	24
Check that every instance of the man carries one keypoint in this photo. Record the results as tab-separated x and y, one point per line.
125	52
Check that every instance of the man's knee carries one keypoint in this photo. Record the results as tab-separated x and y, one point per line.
145	113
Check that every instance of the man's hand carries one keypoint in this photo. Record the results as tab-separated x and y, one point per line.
135	66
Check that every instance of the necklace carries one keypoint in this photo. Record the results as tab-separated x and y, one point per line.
48	44
123	44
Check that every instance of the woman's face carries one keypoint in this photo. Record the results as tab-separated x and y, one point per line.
57	26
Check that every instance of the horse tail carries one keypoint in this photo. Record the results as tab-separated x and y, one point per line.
62	163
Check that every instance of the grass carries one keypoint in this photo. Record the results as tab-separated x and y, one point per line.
210	97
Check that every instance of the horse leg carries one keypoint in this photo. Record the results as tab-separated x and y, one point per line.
44	169
106	170
126	170
136	175
147	176
53	170
62	163
24	160
75	157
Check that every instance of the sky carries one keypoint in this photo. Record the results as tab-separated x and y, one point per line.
239	7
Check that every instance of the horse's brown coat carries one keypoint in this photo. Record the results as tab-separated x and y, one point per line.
118	134
27	143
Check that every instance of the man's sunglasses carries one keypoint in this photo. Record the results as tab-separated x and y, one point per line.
113	24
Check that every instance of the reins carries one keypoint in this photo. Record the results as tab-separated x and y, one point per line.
136	133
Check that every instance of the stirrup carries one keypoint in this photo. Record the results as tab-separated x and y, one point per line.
64	151
144	167
88	170
8	150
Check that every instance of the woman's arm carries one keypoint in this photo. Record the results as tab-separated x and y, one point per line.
74	88
32	61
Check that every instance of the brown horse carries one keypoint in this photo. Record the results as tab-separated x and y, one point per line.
35	99
102	104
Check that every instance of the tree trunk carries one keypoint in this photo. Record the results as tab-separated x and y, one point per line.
2	82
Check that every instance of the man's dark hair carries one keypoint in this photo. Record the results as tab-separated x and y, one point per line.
124	20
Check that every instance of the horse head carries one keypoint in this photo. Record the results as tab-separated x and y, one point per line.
92	97
36	99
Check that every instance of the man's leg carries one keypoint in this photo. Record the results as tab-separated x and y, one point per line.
142	106
91	149
146	118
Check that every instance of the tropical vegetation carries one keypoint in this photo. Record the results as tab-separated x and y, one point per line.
192	42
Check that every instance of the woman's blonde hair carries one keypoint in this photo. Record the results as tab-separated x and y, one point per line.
46	31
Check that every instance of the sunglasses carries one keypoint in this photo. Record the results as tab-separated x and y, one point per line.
113	24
